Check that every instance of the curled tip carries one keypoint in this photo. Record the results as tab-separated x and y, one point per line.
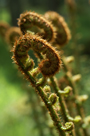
82	98
12	35
76	77
77	119
35	72
66	90
62	31
69	59
51	62
47	89
68	127
53	98
3	28
36	23
41	82
29	64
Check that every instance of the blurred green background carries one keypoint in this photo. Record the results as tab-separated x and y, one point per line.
15	119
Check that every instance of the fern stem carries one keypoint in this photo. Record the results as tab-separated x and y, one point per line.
62	103
72	84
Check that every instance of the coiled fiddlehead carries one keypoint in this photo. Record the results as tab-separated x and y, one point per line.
62	30
47	67
22	59
3	28
68	127
30	19
12	34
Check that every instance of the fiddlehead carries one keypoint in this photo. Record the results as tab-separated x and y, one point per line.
66	91
30	19
22	59
13	34
53	98
62	30
68	126
3	28
47	67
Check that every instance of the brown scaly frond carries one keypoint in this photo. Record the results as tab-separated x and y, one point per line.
3	28
12	34
62	30
52	62
44	28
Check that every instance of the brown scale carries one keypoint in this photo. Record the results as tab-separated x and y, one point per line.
12	34
62	31
3	28
36	23
50	65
